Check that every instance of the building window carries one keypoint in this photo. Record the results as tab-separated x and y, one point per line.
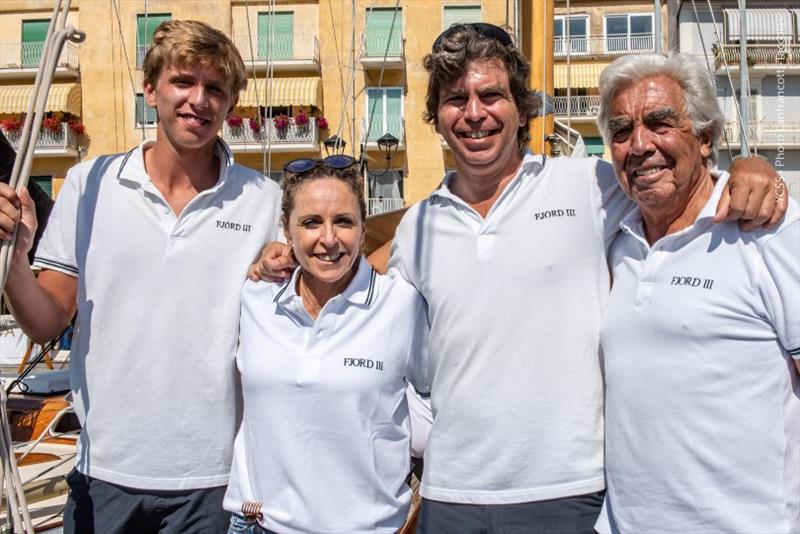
276	35
629	33
460	15
34	33
145	26
145	115
578	35
594	146
384	112
384	32
385	191
45	182
753	109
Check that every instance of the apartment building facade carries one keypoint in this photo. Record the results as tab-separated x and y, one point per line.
352	69
589	35
773	69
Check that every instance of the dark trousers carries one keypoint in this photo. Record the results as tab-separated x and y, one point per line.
97	507
570	515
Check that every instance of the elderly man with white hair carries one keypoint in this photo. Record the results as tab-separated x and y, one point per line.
701	336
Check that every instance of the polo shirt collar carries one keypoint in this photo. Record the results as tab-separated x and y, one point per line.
132	167
361	291
529	159
632	223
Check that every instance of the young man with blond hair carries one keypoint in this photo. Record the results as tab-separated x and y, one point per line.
150	248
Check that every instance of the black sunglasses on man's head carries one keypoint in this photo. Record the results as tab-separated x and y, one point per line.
336	162
481	28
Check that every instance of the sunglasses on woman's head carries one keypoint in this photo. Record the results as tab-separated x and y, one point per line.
336	162
481	28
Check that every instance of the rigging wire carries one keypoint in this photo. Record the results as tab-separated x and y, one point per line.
128	65
371	112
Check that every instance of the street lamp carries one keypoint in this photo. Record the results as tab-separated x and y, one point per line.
387	144
334	144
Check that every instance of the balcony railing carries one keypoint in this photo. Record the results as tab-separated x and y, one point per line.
757	54
279	48
62	141
379	44
382	205
766	132
381	125
610	45
293	134
585	106
27	55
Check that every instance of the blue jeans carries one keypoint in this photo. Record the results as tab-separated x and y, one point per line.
240	525
570	515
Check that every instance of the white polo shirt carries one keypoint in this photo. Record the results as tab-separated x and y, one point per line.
515	303
324	443
153	376
702	396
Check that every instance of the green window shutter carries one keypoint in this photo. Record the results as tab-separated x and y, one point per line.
144	113
394	115
460	15
281	45
45	182
145	26
34	33
375	113
381	34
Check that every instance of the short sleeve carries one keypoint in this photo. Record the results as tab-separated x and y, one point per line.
57	248
614	203
780	285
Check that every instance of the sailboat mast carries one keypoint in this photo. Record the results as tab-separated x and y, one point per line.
744	81
536	22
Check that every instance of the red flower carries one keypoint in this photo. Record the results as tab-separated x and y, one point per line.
281	121
301	119
77	127
322	122
255	127
51	124
234	121
11	124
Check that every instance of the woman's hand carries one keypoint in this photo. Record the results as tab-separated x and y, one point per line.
275	264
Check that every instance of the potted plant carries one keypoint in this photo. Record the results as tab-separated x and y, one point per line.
234	121
51	124
77	127
255	126
281	123
11	124
322	122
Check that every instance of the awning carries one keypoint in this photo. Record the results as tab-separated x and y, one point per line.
282	91
583	74
64	97
762	24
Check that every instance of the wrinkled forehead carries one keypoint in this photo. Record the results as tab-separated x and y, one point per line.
651	95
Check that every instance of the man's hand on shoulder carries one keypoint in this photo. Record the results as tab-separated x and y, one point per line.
756	195
275	264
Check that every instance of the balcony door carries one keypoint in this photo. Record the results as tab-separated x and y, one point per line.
629	33
384	32
384	112
145	27
578	35
276	35
34	33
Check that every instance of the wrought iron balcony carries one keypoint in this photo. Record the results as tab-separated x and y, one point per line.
382	205
380	45
768	133
610	45
293	138
23	58
393	124
580	106
285	52
775	54
62	142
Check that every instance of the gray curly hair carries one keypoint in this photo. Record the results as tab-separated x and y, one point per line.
701	105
